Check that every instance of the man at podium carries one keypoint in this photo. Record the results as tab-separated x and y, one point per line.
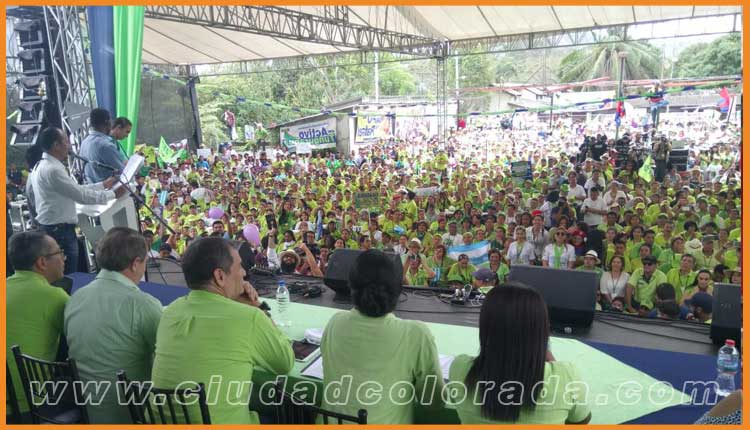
56	194
101	148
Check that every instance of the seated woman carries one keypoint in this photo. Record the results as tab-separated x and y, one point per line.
369	346
417	272
514	338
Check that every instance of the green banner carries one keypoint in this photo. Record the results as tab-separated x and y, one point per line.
305	138
128	44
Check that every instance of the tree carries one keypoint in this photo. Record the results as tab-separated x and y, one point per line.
395	80
643	61
721	57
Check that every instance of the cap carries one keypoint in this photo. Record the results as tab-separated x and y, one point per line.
484	274
417	241
703	300
640	206
649	259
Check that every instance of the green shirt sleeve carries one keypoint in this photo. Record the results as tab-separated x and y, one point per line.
271	349
428	376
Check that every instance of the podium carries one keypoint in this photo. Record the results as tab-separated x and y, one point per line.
96	220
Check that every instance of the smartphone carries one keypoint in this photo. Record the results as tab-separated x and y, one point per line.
270	221
303	350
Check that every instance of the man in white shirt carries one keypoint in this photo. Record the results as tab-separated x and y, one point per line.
56	194
576	193
452	238
596	180
594	209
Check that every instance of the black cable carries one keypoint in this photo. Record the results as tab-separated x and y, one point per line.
656	334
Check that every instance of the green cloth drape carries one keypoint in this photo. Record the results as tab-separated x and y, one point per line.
128	44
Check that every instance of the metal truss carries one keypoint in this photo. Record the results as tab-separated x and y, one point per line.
66	31
333	29
442	95
582	36
12	63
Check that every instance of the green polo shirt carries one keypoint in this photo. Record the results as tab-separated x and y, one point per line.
110	325
680	282
34	321
386	353
205	335
502	271
645	291
556	405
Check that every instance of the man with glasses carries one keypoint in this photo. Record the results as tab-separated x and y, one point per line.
111	324
35	308
640	291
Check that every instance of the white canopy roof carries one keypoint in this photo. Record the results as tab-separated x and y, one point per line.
179	43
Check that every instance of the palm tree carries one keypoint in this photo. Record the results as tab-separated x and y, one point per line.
643	61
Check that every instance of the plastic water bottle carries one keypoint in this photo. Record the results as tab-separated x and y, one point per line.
727	365
282	302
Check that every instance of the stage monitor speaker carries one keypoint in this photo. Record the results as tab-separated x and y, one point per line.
726	321
246	254
341	262
165	271
570	294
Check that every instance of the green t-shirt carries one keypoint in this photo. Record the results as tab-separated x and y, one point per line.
456	273
387	351
34	321
501	272
645	291
680	282
557	405
205	334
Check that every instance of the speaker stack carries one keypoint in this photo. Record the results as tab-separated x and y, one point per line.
679	158
37	106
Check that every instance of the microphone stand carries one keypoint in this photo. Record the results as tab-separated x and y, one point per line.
139	200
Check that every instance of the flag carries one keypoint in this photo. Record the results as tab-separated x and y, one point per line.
725	101
319	226
619	112
477	252
645	171
166	154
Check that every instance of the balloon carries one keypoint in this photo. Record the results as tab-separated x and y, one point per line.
215	213
252	234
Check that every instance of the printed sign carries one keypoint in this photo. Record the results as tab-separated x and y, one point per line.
318	135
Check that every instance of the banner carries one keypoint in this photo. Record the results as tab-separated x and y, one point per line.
366	200
318	135
426	191
128	45
520	171
477	252
372	128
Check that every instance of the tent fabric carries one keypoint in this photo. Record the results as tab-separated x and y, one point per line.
168	42
128	45
102	55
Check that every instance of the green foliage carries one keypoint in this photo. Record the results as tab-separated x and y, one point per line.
719	58
643	61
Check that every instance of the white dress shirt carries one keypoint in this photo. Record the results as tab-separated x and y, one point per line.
56	193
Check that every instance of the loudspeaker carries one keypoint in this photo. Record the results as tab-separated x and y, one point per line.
246	254
679	158
726	321
341	262
570	294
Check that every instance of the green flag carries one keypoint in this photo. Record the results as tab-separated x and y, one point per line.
128	47
166	154
645	170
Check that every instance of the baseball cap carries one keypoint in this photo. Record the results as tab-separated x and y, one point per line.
704	301
484	274
649	259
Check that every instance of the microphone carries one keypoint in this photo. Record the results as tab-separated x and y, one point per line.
79	157
92	162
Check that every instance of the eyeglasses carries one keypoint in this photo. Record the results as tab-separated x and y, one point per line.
60	252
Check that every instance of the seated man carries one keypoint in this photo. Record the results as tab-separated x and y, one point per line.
640	292
218	332
370	347
111	324
35	308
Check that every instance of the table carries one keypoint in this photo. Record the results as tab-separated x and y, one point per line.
666	364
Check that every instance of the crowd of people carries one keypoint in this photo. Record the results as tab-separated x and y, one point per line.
658	245
578	208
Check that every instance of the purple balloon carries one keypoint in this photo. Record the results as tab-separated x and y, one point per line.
215	213
252	234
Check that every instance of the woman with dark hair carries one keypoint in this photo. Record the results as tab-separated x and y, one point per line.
369	344
514	338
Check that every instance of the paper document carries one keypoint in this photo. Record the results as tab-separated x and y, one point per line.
315	369
134	165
